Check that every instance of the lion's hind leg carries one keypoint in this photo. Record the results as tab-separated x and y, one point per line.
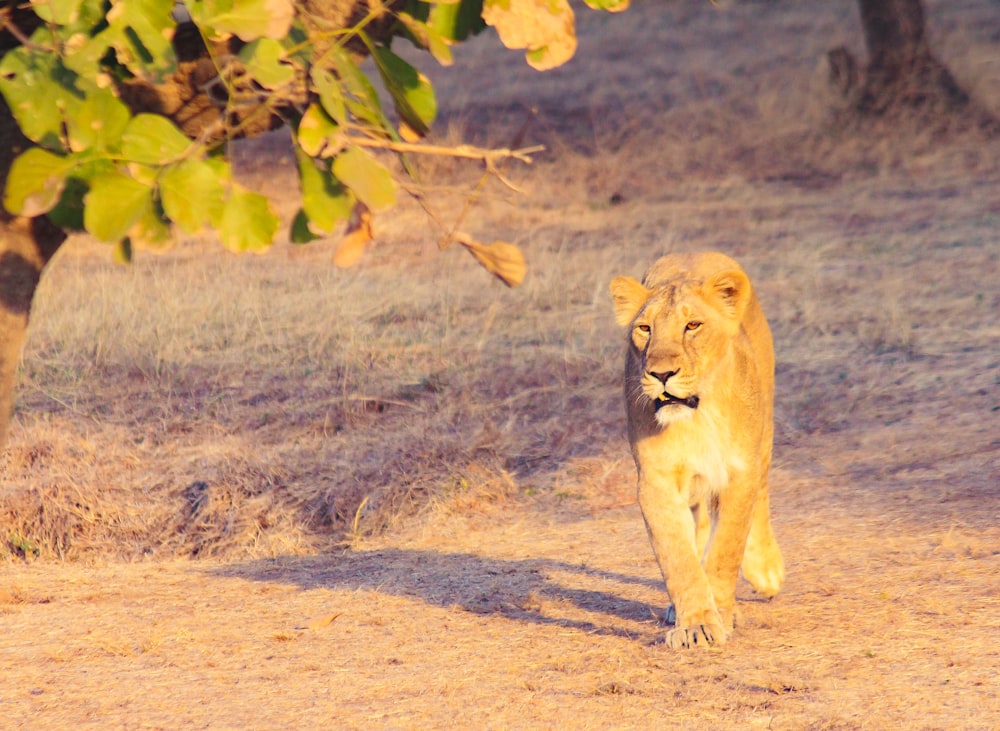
763	566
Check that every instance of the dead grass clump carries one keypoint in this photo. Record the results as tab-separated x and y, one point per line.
84	503
269	405
240	505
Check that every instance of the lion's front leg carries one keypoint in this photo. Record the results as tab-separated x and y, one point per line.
671	531
725	552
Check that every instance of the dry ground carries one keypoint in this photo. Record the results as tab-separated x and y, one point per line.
407	489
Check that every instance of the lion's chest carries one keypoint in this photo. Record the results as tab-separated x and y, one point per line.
697	455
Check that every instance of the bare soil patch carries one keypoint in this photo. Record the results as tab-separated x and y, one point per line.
406	489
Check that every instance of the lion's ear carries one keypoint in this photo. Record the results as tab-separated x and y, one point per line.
629	296
731	290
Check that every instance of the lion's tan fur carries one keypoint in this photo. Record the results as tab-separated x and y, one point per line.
699	342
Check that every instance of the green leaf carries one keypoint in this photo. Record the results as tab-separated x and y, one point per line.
145	174
60	12
114	204
68	213
36	181
317	133
248	223
611	6
457	21
123	251
140	32
410	90
248	19
425	36
193	193
298	48
300	233
263	59
98	123
325	200
40	92
367	178
327	85
545	28
74	16
85	56
153	140
224	172
150	230
361	98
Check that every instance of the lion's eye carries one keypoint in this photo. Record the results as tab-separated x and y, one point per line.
692	326
643	328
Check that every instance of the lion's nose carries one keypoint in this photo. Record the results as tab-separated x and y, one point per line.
664	376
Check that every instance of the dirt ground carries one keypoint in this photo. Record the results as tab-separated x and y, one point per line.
536	619
519	591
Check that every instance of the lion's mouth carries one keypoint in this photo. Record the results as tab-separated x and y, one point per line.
668	399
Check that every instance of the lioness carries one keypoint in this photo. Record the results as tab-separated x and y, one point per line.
699	391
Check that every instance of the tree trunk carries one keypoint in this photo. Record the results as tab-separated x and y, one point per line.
26	246
902	72
902	76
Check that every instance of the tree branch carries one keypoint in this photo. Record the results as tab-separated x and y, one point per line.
467	152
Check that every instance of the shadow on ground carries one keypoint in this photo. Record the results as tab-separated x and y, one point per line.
537	591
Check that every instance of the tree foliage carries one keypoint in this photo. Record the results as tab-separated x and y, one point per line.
126	151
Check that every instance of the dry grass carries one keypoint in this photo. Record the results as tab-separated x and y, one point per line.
439	463
291	392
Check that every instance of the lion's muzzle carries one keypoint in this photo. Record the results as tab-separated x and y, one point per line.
667	399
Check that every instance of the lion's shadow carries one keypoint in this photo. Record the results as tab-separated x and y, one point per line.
538	591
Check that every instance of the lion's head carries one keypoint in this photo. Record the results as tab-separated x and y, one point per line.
682	319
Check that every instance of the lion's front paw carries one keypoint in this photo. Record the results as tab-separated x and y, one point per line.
729	619
704	630
701	635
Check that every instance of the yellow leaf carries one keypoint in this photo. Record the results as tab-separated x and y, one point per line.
502	260
544	28
356	238
408	133
318	622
